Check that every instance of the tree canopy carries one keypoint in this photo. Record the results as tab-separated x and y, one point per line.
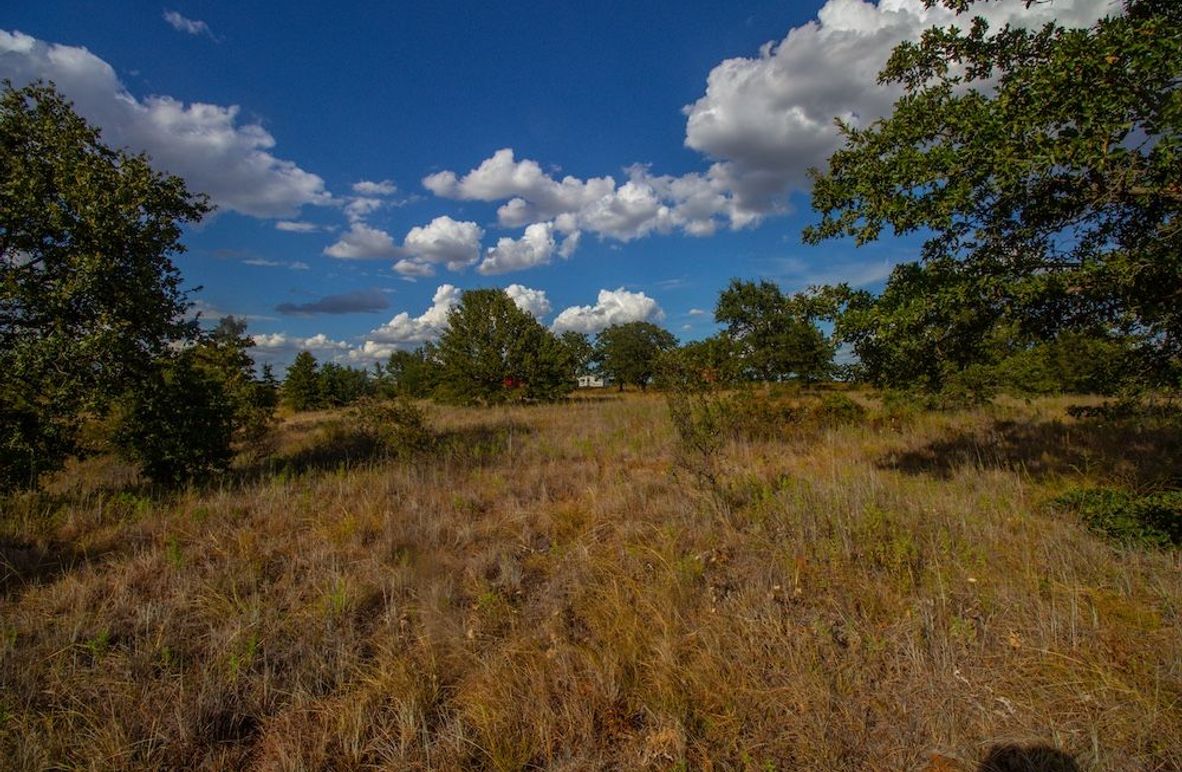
223	354
301	384
492	352
413	373
773	335
178	421
580	350
1044	166
630	353
90	299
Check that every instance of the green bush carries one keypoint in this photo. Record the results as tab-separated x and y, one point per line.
837	410
971	386
1153	519
754	416
1074	363
1135	408
901	408
397	427
177	424
701	418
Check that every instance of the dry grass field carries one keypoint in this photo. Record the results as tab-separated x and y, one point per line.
548	587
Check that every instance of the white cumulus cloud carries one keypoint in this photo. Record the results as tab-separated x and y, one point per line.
296	226
535	247
446	241
503	177
370	188
361	207
640	205
406	331
280	342
767	119
532	301
361	242
612	307
414	268
570	244
761	123
443	241
206	144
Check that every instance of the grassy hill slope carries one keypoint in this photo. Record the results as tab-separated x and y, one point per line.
549	587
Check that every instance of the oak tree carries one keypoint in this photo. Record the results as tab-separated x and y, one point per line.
90	299
1045	168
773	334
631	353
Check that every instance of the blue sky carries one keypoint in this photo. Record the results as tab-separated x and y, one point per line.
606	161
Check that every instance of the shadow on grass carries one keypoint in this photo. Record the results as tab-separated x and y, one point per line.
32	551
23	565
30	557
337	447
480	445
1027	758
592	397
344	447
1141	455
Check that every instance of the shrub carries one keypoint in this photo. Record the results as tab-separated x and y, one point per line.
705	417
1075	363
1153	519
972	386
1130	407
837	410
702	419
759	417
397	427
177	424
900	408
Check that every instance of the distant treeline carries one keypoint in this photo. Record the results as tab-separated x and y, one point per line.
493	352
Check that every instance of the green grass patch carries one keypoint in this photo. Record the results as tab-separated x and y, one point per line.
1152	519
